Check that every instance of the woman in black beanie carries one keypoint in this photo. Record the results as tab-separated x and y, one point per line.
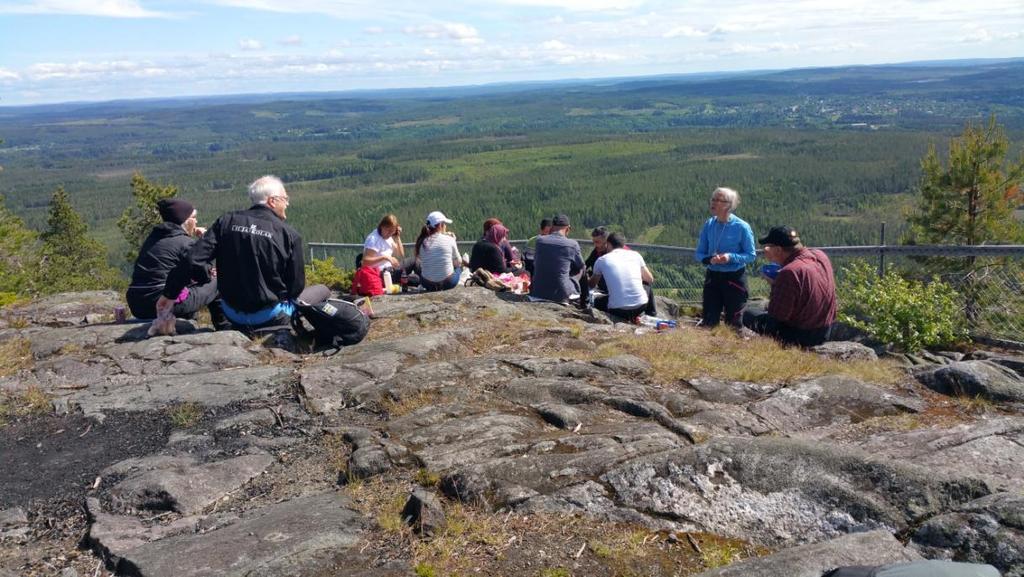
166	246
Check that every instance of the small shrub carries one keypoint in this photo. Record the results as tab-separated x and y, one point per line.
907	314
427	478
185	415
425	570
325	272
10	298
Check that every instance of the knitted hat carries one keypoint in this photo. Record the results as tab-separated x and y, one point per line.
176	210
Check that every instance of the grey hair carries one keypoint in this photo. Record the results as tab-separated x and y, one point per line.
732	195
265	187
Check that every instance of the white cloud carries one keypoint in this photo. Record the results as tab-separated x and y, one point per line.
686	31
107	8
91	70
763	48
250	45
6	74
554	45
373	30
459	32
293	40
579	5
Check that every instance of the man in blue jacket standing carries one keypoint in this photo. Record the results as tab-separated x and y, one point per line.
726	247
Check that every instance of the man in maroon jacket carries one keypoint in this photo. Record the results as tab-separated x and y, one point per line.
802	306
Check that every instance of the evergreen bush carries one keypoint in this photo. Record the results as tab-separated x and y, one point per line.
907	314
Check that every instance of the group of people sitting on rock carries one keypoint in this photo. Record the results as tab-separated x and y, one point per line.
248	268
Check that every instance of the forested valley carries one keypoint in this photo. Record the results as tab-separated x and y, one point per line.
833	152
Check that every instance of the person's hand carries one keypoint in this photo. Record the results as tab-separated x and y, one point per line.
163	304
395	262
198	231
213	272
720	258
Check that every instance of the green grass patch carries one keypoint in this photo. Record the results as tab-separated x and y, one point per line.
185	415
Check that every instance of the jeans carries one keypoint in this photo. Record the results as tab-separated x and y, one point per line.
449	283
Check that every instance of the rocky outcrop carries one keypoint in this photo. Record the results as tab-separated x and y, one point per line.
870	548
527	409
985	379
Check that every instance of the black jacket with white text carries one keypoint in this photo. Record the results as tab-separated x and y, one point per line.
258	257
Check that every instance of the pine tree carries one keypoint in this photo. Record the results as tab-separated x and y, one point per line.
18	256
138	220
71	259
971	199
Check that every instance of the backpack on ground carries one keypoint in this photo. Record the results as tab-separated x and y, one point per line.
336	323
367	282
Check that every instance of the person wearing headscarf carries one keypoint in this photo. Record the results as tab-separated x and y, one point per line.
487	252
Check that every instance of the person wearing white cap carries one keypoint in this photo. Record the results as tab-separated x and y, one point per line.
438	254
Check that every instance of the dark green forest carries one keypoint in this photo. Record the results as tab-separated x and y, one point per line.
832	152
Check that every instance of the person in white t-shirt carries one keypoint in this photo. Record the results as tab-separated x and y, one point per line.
383	248
627	277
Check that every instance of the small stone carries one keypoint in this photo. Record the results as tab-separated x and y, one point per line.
423	512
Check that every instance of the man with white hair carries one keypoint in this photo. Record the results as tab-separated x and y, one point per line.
259	261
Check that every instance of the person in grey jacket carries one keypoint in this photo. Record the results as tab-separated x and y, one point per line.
167	246
558	264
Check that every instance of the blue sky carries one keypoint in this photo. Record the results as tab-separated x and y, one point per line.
65	50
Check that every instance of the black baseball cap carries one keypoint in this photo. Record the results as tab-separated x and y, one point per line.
782	236
560	220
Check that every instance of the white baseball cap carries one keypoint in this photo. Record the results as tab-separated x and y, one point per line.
437	217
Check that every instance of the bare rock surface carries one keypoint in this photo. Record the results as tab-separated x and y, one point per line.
784	490
831	400
992	450
183	485
986	379
989	530
870	548
290	538
204	454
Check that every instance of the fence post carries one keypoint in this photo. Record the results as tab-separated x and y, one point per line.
881	251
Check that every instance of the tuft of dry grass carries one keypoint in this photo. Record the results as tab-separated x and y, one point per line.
185	415
337	452
687	353
32	401
477	541
15	355
399	407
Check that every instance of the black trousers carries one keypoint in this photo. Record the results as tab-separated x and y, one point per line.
649	309
724	291
758	320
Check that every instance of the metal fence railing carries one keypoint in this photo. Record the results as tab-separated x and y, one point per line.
995	277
